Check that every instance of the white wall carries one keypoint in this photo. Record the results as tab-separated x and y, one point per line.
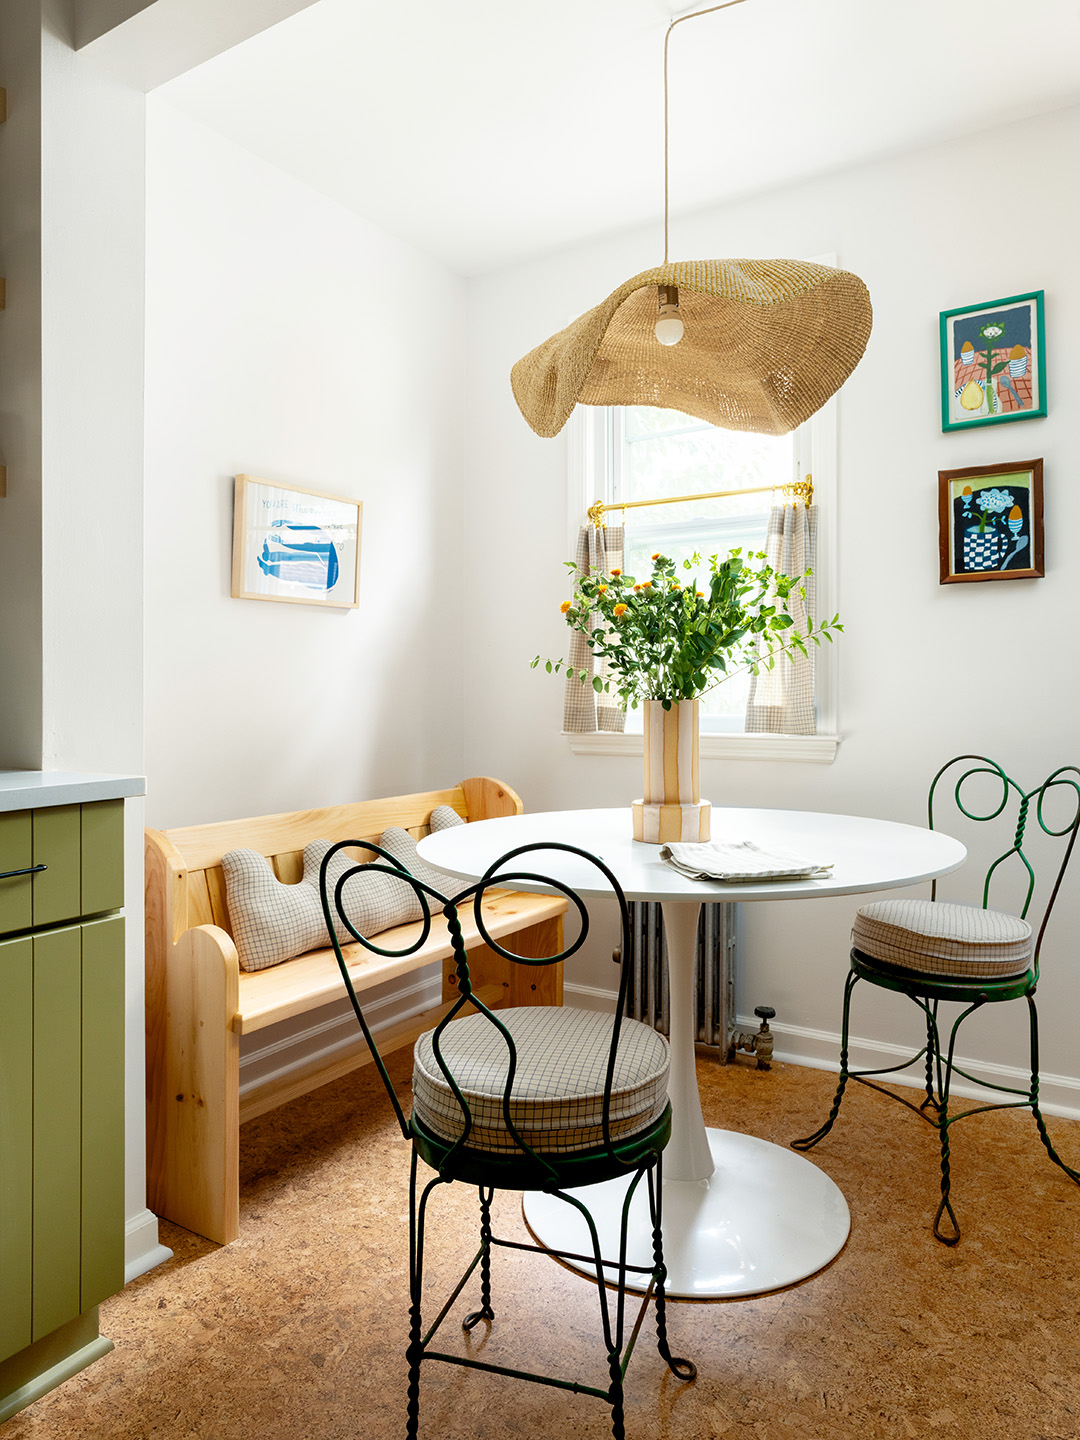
71	233
20	390
926	671
289	339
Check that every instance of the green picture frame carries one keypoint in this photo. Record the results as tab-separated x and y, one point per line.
993	362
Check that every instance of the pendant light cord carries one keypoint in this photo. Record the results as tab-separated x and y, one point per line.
678	21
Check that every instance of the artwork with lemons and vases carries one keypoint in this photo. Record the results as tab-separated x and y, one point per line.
991	522
993	362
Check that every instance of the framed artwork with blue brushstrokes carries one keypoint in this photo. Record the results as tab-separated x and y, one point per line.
990	522
993	362
294	544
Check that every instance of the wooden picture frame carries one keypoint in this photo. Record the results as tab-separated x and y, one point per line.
295	545
989	517
993	362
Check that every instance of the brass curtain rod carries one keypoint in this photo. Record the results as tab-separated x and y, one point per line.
794	490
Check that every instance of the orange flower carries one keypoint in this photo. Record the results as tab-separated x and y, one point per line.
675	585
646	585
619	610
700	594
616	571
638	589
565	606
601	589
657	555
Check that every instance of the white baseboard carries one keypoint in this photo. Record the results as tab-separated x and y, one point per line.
277	1058
589	997
820	1050
142	1249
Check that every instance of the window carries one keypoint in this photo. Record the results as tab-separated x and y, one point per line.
636	453
661	453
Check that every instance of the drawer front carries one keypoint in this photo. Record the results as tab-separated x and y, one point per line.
57	846
102	851
16	853
81	848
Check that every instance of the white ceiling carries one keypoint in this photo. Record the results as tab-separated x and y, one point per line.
487	130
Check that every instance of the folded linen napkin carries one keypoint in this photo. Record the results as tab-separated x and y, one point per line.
739	860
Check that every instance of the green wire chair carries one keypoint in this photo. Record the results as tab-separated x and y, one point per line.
464	1135
932	952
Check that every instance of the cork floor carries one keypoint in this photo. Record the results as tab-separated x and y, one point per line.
297	1330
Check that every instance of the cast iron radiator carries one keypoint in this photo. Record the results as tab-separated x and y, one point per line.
714	979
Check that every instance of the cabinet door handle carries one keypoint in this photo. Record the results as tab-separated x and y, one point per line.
32	870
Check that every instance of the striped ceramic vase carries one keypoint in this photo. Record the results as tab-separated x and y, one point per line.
672	807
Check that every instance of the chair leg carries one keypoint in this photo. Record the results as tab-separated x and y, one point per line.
1033	1020
485	1312
415	1352
808	1141
945	1207
681	1368
615	1396
943	1122
931	1056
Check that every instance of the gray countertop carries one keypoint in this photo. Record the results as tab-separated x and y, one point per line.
33	789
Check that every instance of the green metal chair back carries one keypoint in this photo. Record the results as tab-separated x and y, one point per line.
1028	804
638	1157
498	876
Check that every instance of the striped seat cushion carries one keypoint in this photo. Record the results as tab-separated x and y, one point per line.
558	1095
937	938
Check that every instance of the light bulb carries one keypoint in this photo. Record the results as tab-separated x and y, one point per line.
669	329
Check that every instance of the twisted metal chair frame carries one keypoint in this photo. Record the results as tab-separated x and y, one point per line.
927	992
638	1155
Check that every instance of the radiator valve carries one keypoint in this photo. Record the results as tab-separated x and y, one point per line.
756	1042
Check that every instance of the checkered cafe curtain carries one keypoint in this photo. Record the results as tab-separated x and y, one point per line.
584	711
781	700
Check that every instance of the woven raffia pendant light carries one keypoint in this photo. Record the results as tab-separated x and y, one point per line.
764	343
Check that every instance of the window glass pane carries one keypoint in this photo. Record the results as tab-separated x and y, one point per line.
723	708
665	453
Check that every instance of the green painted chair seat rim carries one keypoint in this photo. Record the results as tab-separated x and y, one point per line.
916	982
517	1172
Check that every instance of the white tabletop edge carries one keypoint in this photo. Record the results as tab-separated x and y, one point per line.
868	854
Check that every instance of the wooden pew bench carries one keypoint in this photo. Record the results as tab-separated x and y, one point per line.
199	1002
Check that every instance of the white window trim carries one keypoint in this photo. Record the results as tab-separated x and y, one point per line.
589	445
811	749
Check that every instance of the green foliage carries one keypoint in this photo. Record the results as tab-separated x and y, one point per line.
659	639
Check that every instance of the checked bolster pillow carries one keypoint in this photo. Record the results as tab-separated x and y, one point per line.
558	1096
272	922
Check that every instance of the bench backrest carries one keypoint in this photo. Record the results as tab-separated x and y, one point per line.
185	885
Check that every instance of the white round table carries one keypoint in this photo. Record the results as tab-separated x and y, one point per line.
741	1216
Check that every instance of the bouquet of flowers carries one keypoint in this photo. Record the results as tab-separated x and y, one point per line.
663	639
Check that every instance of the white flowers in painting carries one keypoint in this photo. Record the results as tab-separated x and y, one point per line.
993	502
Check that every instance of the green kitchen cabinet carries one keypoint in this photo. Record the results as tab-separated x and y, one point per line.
62	1024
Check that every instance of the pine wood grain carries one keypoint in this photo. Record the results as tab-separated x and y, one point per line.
199	1002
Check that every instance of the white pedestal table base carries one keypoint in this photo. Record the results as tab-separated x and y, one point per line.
764	1219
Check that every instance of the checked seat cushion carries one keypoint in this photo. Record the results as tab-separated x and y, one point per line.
558	1095
936	938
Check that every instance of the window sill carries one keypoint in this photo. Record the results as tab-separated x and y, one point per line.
808	749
